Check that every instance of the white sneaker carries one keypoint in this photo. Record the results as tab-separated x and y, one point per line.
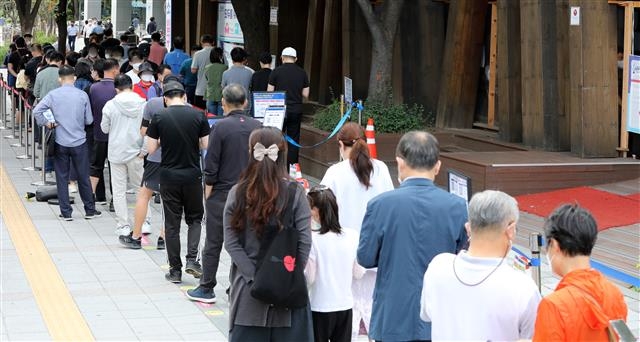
123	230
130	191
146	227
73	188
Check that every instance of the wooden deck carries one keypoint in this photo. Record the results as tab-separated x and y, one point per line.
618	248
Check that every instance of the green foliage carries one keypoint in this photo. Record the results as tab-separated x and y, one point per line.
4	50
388	118
40	37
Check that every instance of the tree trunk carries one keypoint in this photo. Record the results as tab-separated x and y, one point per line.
253	16
383	27
61	21
27	14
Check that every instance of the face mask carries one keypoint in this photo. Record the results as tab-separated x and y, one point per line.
315	225
549	259
147	78
93	54
107	56
136	65
621	64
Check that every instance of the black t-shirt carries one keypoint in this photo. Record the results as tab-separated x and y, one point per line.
291	78
179	129
260	80
19	58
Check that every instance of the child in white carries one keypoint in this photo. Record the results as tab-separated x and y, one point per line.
330	269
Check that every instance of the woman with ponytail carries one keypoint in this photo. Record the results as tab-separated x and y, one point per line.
354	181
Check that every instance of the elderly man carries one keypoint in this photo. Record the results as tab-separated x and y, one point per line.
402	231
227	157
499	302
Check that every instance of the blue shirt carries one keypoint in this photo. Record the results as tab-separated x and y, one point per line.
175	59
188	78
72	111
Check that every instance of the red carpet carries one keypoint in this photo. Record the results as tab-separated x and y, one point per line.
610	210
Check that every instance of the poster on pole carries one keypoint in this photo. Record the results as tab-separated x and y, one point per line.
274	117
459	185
167	35
633	98
348	90
262	100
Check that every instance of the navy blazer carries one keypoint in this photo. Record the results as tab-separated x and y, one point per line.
401	232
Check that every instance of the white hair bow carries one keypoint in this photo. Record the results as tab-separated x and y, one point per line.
259	152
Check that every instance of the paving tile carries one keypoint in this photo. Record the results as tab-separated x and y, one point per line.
110	329
146	327
29	337
25	324
205	336
27	307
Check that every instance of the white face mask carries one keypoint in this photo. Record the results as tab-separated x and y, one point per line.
93	54
315	225
147	78
135	65
549	259
107	56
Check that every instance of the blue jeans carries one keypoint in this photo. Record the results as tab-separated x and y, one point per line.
77	158
214	107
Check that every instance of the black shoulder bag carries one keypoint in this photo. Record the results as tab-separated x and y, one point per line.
279	279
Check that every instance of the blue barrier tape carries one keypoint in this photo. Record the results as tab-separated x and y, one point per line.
615	274
335	131
532	261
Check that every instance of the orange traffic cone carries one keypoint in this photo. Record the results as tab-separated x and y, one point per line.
370	133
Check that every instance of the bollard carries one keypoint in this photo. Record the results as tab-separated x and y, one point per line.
535	241
25	122
34	128
21	125
44	180
12	119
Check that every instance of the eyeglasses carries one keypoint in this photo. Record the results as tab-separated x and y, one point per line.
318	189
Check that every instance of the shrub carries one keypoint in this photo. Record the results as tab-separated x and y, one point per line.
4	50
40	37
388	118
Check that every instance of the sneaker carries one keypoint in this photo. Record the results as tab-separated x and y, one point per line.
65	218
174	276
112	209
193	267
123	230
73	188
101	201
129	242
146	228
160	244
94	214
202	294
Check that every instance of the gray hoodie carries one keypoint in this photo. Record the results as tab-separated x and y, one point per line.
121	119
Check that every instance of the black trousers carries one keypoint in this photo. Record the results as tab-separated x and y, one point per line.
98	158
73	158
200	102
332	326
291	127
215	238
72	43
178	199
300	330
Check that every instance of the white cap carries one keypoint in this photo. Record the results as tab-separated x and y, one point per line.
289	51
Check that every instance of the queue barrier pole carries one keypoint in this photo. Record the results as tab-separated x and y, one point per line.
25	123
3	104
535	241
34	129
43	144
20	123
12	121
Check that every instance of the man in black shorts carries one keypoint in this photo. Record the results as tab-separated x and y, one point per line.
184	132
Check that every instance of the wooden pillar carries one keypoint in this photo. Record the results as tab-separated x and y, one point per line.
593	80
461	64
491	112
542	118
623	147
187	31
346	38
509	95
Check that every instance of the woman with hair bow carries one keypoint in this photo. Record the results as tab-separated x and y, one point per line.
255	208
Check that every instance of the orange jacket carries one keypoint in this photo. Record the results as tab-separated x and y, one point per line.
579	309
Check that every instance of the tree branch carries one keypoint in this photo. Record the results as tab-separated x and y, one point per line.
391	15
34	10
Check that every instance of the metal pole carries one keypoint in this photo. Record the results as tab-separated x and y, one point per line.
12	120
19	109
34	128
360	112
535	241
25	122
44	180
3	104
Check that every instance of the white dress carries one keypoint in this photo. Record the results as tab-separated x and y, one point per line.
352	198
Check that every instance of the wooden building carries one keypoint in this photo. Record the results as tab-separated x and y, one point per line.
517	67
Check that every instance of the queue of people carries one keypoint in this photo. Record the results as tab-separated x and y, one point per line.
408	264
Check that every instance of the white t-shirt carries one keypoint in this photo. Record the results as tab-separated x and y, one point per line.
502	308
330	270
133	74
351	195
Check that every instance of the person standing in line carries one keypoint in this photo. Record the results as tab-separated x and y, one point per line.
227	157
157	51
88	28
213	74
402	231
263	191
100	93
71	112
48	79
121	119
190	78
152	27
132	67
198	65
291	78
331	268
355	181
124	43
260	78
147	88
150	179
135	22
585	300
177	56
72	33
500	302
184	132
238	73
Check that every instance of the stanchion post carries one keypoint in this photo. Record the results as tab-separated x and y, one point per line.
25	122
3	104
44	180
12	119
34	128
360	112
535	241
21	123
